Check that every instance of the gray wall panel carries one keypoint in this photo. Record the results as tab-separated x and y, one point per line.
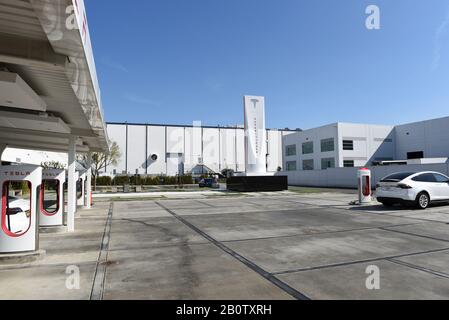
136	149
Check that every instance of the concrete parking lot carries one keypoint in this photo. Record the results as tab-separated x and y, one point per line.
260	246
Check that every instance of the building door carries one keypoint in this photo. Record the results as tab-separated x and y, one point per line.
175	164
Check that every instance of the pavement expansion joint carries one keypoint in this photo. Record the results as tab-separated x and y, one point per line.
268	276
97	291
348	263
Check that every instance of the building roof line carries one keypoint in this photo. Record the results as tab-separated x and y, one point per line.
187	126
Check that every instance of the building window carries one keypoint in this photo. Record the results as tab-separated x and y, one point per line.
327	163
348	145
291	165
307	147
327	145
308	165
415	155
290	150
348	163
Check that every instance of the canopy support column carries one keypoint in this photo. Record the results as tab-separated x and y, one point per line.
89	181
71	192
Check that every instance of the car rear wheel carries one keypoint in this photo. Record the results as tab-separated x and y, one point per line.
388	203
423	200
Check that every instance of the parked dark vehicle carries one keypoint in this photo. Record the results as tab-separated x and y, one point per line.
209	183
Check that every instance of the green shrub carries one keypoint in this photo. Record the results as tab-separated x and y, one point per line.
120	180
151	181
104	181
186	180
147	180
136	180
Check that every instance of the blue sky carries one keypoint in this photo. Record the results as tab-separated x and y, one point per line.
176	61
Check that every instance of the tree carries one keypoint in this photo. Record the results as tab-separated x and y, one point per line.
53	165
100	160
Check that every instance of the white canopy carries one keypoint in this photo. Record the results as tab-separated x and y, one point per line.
48	82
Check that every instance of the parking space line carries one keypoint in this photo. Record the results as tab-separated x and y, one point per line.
98	283
342	264
415	267
253	211
413	234
255	204
205	203
371	212
158	246
42	266
320	233
268	276
155	245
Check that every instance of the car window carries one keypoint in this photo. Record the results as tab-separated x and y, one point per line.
440	178
396	177
426	177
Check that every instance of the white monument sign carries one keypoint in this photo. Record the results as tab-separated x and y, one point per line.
255	136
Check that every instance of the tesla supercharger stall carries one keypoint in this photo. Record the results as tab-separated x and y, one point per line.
19	188
364	177
81	189
52	198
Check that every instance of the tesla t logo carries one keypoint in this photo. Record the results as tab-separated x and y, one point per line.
255	102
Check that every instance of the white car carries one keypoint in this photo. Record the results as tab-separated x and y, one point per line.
420	189
18	215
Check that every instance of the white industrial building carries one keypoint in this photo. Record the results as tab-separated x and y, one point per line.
355	145
424	139
151	149
328	156
338	145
